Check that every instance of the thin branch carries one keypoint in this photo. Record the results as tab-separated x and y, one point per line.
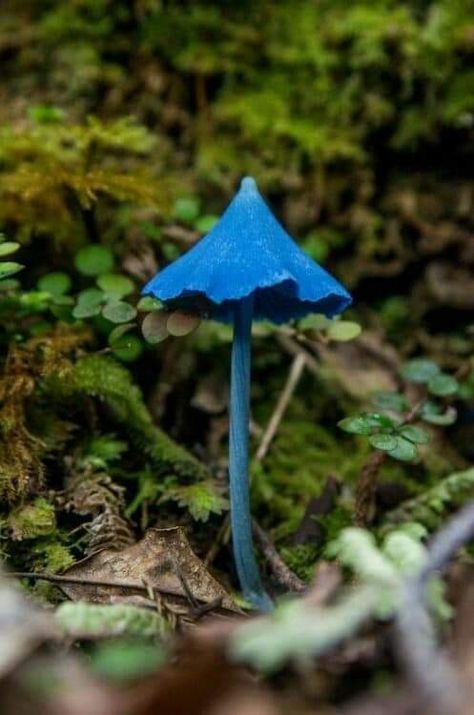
282	573
431	671
294	375
104	583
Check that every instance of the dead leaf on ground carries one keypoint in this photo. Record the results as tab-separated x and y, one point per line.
361	367
164	561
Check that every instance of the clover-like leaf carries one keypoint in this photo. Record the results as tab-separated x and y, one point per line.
414	434
154	327
89	303
204	224
8	247
180	323
118	311
115	285
432	414
390	401
9	268
127	348
384	442
148	303
420	370
356	425
404	451
94	260
317	321
187	209
343	330
442	385
56	284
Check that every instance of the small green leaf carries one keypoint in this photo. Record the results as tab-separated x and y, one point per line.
89	303
343	330
380	421
56	284
81	311
443	385
356	425
415	434
154	327
187	209
118	311
390	401
204	224
8	247
127	348
9	268
115	285
384	442
432	414
180	323
419	370
149	303
404	451
119	331
94	260
317	321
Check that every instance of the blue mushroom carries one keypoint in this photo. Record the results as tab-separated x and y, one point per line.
247	268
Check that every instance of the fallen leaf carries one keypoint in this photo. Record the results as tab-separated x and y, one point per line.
163	560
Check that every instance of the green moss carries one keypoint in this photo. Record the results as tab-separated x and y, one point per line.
32	520
431	506
301	559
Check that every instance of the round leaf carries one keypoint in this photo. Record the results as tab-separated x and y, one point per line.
404	451
384	442
90	297
356	425
442	385
127	348
204	224
432	414
9	268
419	370
154	327
180	323
119	312
148	302
187	209
94	260
118	332
55	283
415	434
81	311
115	285
343	330
8	247
317	321
390	401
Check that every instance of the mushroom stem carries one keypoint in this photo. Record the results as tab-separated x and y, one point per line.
241	523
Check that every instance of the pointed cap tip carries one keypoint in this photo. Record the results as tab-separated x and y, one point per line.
249	184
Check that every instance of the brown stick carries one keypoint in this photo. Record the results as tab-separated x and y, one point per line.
282	573
107	583
294	375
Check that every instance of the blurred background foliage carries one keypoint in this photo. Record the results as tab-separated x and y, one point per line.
125	126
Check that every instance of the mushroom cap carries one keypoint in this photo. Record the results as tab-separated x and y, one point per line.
248	253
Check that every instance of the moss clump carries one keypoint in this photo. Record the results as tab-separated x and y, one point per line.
32	520
301	559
